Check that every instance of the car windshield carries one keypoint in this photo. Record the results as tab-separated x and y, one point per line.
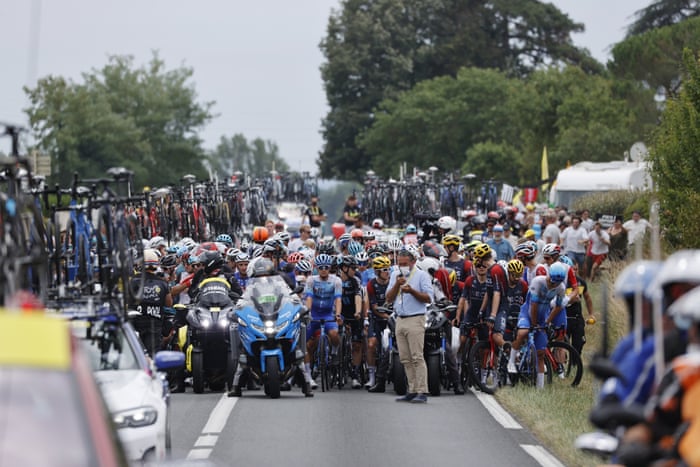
107	348
41	419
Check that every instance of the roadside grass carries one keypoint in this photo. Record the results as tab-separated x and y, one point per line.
557	415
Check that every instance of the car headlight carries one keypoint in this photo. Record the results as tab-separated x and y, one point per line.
134	418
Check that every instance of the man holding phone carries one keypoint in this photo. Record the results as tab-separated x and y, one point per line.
410	290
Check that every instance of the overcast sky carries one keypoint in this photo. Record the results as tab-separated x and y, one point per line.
259	60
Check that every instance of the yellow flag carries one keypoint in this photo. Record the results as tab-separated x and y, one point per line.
545	170
516	198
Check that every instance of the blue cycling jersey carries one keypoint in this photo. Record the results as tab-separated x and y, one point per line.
323	294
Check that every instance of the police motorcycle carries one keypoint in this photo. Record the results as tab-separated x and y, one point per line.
209	331
270	333
435	346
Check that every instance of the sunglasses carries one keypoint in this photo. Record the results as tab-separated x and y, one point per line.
363	263
323	268
384	270
548	258
480	265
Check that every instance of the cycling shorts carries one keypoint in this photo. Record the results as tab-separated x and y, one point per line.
314	329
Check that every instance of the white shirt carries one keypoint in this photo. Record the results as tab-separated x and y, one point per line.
635	229
597	245
573	239
551	231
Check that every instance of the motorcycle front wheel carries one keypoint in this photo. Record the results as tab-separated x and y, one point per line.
274	378
198	372
433	364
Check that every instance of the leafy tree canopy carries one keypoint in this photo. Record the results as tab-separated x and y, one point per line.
662	13
257	157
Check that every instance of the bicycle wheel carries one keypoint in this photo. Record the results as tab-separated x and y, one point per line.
569	367
527	370
482	357
323	363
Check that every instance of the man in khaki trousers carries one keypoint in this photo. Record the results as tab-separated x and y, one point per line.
410	290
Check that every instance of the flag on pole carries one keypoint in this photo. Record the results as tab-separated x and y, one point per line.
545	170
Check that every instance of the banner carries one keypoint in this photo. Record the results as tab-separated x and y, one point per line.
530	195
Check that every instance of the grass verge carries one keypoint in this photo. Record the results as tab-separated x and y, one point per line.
557	415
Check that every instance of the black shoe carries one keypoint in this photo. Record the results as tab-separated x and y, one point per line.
308	392
419	399
458	389
235	392
407	397
379	387
285	386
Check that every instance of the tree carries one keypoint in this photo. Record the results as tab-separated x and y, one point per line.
662	13
256	158
654	57
375	49
145	119
675	162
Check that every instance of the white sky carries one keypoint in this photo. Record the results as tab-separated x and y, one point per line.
259	60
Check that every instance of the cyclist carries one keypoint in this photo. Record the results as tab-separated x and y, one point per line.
456	262
352	313
363	270
323	294
472	303
156	296
242	260
538	311
410	235
496	281
376	296
514	297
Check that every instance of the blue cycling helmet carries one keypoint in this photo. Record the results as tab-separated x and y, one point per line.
411	229
344	240
566	260
557	273
354	247
225	238
324	260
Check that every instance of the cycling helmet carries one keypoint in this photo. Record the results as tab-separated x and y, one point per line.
354	247
395	244
326	248
221	247
231	253
150	259
415	249
356	234
478	220
410	251
433	249
447	223
283	236
257	251
225	239
515	267
557	273
168	261
211	260
451	239
303	266
188	243
566	260
242	257
343	240
263	267
324	260
472	245
245	245
260	234
493	215
381	262
172	249
314	232
349	261
551	249
525	251
209	246
374	251
157	241
362	257
378	223
368	236
295	257
482	251
428	264
411	229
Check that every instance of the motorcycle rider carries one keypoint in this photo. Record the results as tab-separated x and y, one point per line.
212	266
156	296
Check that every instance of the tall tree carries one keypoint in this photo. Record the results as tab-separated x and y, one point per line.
660	13
375	49
145	119
675	161
256	158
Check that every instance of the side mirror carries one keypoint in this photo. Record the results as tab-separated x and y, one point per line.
298	289
169	360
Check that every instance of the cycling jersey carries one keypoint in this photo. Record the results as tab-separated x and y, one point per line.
376	293
351	288
475	292
462	268
242	281
323	294
514	297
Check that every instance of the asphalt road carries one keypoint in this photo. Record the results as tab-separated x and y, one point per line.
348	427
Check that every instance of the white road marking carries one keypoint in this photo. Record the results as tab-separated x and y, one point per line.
215	424
206	441
497	411
541	455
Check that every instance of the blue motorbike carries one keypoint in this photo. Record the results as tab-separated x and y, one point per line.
270	334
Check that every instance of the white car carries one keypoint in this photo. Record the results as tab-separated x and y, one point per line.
137	395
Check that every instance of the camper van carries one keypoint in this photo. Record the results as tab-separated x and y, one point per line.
594	177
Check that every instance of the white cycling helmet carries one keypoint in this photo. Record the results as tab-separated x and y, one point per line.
428	264
447	223
157	241
395	244
378	223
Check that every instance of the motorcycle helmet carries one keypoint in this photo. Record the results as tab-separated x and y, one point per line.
263	267
212	261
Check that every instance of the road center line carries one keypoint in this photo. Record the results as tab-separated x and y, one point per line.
497	411
541	455
215	424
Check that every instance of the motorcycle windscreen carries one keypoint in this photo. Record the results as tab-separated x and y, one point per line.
214	294
267	294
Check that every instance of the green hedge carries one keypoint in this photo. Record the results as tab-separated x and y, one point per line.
619	203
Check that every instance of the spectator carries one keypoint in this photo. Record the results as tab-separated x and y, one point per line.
351	212
636	228
586	221
551	231
510	236
501	247
304	235
574	240
600	246
314	213
618	240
